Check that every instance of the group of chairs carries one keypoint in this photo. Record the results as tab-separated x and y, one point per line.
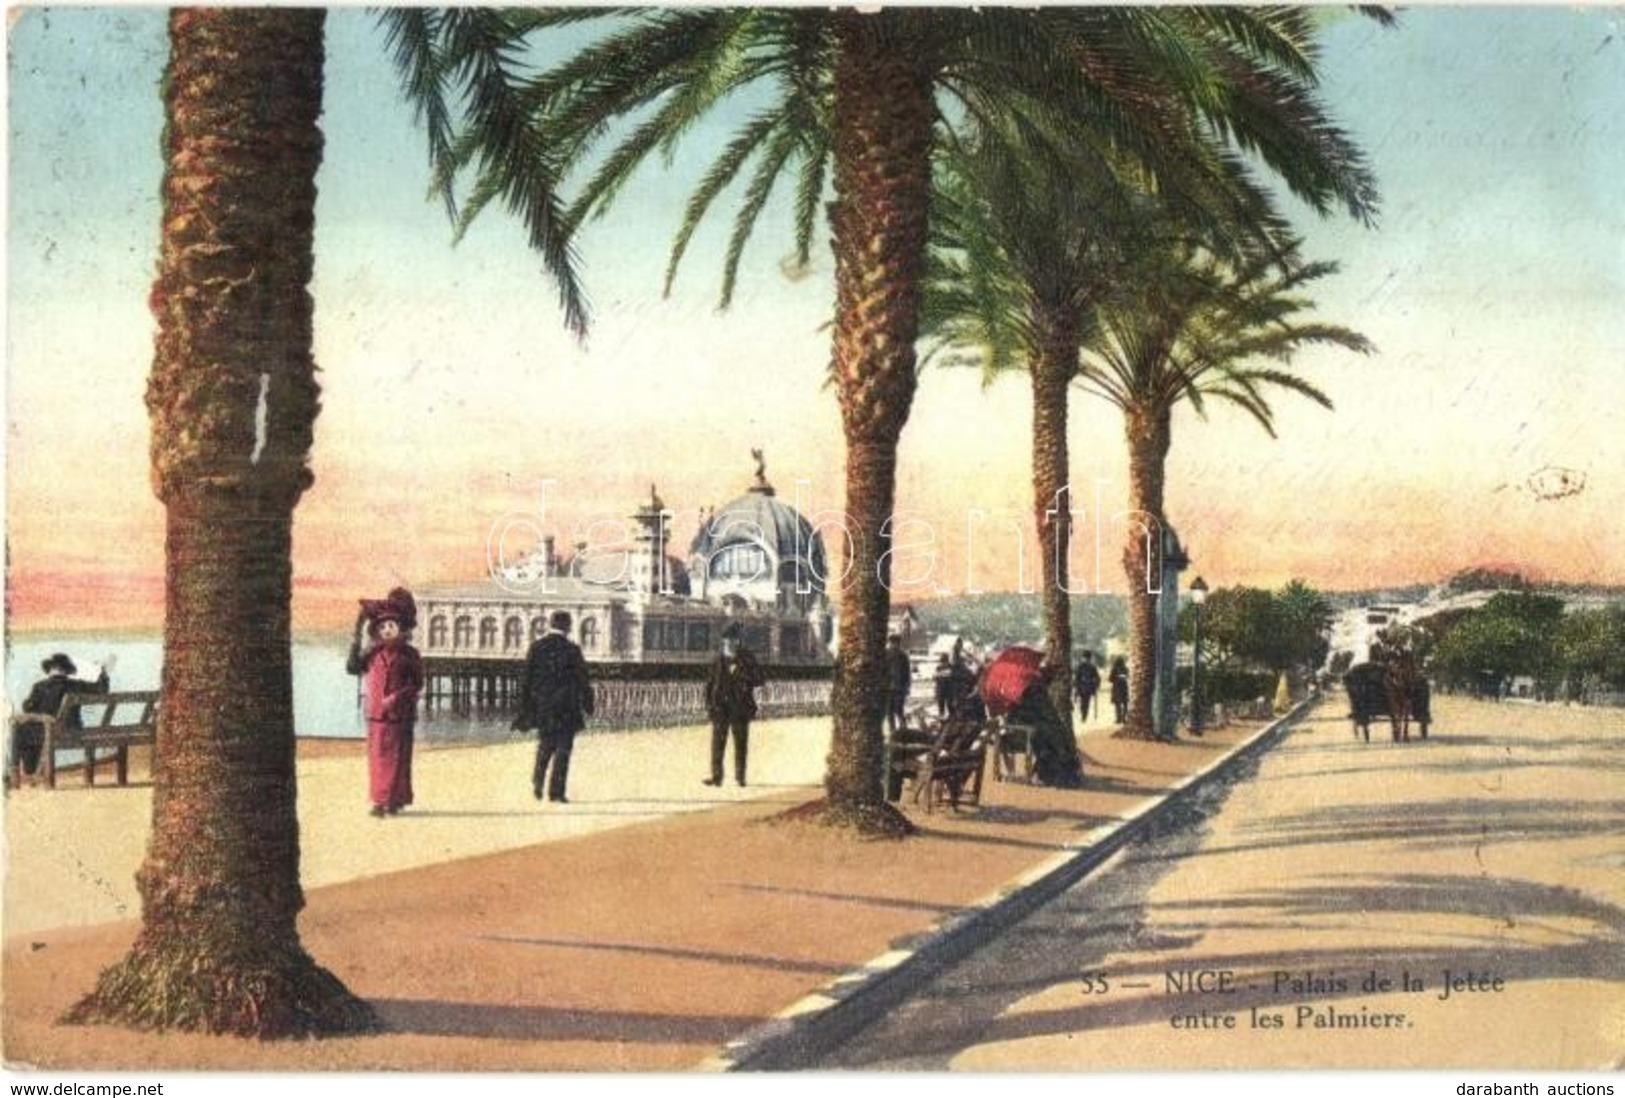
944	759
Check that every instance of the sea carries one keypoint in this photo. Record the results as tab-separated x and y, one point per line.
325	698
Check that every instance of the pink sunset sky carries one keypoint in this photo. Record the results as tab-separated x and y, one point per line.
1494	288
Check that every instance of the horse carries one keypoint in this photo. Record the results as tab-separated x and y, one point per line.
1393	689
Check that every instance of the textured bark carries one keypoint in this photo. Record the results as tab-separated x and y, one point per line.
884	115
233	400
1052	366
1148	440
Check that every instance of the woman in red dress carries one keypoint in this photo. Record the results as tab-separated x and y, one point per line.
392	678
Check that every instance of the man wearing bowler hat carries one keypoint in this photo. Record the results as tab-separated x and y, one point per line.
555	698
730	702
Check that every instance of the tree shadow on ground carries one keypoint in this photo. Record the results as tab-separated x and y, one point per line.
701	956
893	902
1026	817
1581	938
1432	825
428	1018
1590	953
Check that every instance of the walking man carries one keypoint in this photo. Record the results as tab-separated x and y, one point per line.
1086	683
730	702
555	698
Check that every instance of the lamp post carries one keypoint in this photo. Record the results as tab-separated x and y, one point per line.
1198	597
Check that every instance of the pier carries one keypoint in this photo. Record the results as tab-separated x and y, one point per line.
624	693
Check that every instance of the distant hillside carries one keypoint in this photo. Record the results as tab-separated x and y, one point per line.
1001	619
1347	600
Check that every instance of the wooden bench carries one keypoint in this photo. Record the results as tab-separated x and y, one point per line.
116	721
947	768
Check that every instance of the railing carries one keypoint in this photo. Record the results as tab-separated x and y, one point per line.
620	703
647	703
656	703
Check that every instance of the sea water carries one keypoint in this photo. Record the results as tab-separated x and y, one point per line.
325	697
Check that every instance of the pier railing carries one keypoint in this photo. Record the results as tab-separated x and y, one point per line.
623	695
656	703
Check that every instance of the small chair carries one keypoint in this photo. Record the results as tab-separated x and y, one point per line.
1011	739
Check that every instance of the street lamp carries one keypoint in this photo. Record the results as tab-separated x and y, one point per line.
1198	597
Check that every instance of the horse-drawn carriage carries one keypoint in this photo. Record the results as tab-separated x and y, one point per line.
1396	690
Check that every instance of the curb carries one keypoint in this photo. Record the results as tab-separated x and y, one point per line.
799	1035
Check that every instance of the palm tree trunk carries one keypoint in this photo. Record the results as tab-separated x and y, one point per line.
233	401
1053	364
1149	436
884	114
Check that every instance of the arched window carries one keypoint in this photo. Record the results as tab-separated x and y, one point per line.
462	632
437	631
488	633
513	633
743	560
589	634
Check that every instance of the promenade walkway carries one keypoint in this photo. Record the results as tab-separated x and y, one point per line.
1452	904
640	927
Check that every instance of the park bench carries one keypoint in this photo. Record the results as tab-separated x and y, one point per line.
104	722
944	760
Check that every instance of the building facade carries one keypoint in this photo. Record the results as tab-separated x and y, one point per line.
755	562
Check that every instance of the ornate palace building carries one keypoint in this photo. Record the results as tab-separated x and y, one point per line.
755	561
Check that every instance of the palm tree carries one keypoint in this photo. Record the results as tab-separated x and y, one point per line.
1194	327
861	92
1017	283
233	400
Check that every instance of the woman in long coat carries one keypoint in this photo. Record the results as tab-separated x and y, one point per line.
392	678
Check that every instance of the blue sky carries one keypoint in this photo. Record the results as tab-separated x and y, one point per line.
1494	287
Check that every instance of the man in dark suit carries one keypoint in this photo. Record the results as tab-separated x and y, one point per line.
730	702
1086	683
899	681
555	697
45	700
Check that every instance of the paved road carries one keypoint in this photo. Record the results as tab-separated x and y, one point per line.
1449	904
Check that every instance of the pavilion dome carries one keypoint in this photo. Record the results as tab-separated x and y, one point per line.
758	541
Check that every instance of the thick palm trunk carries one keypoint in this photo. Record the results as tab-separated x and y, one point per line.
883	125
233	400
1148	440
1053	364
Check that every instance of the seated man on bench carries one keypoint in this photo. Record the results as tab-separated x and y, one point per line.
45	700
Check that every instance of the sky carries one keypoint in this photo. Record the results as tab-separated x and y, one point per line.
453	399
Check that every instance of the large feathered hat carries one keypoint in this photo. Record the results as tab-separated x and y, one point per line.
398	606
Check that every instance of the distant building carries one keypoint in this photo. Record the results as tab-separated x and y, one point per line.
905	624
756	562
1356	630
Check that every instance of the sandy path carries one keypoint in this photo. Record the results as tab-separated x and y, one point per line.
72	853
1493	852
620	943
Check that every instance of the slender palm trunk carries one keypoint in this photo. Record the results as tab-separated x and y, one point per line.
1148	440
233	401
884	115
1053	364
